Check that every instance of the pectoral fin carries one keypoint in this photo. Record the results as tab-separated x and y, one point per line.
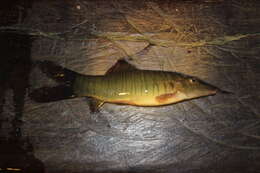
95	104
164	98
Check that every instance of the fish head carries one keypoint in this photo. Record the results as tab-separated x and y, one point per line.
192	87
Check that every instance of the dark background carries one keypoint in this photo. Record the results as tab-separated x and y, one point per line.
217	41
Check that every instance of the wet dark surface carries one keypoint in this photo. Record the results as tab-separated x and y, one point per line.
216	134
15	70
16	151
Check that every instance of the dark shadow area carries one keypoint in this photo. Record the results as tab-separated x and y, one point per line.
15	68
16	152
17	156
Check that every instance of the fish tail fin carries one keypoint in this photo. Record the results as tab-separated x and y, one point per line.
60	74
57	72
51	94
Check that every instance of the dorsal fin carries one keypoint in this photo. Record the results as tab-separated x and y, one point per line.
121	65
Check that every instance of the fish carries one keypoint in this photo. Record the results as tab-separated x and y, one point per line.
123	83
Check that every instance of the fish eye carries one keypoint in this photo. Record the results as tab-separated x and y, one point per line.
192	80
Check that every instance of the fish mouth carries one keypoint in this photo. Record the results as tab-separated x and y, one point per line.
210	93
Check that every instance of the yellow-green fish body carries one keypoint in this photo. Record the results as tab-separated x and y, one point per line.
141	88
124	84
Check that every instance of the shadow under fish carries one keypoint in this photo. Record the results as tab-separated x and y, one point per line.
122	84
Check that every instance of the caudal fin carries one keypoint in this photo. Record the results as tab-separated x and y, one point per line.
62	75
57	72
50	94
